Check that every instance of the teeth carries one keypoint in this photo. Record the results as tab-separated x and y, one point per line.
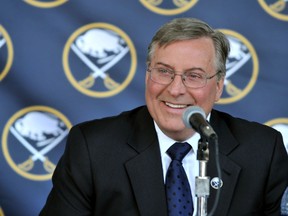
176	105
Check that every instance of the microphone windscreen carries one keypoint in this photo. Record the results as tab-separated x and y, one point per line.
189	112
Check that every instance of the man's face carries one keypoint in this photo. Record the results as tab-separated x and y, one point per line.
166	103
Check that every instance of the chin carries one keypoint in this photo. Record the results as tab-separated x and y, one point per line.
172	128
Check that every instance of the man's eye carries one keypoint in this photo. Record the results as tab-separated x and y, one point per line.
194	76
164	71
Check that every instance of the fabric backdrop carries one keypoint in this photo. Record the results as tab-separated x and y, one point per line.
63	62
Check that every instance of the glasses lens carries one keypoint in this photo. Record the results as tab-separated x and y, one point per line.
162	75
194	80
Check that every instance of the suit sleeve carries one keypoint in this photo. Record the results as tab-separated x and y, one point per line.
278	178
71	194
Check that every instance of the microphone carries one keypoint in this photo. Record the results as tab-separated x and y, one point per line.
194	117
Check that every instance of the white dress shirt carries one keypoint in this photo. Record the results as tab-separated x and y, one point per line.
190	163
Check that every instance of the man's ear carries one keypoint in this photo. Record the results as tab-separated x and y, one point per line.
219	90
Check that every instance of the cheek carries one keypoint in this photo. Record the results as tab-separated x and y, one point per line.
150	92
152	89
205	97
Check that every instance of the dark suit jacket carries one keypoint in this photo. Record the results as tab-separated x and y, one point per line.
112	167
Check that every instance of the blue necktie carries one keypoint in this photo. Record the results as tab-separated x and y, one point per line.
178	193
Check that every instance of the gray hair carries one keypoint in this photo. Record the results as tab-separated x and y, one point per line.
180	29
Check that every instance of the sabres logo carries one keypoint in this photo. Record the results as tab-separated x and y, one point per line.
33	141
276	8
242	62
216	183
280	124
1	212
6	51
45	4
170	7
99	60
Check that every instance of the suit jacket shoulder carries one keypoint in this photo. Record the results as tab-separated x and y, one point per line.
111	166
253	161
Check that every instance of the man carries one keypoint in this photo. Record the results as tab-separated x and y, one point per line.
118	166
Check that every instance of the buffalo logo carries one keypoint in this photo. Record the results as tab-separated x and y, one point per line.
280	124
32	141
45	4
93	56
1	212
6	50
276	8
170	7
242	62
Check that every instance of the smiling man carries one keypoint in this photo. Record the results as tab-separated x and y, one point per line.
194	61
143	161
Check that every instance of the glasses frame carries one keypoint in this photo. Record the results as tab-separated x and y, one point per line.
183	77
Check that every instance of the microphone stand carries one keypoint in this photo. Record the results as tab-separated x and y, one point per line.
202	182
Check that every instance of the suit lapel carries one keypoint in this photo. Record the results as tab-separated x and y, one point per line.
146	174
230	171
145	170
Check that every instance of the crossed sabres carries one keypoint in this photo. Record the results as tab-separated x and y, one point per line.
99	72
38	155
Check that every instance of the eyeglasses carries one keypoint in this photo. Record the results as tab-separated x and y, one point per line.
190	79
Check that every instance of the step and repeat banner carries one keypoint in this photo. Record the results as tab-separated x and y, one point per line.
63	62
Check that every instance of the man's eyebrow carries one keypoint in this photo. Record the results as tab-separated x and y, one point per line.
164	64
193	69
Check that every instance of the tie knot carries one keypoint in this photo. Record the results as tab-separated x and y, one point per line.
178	151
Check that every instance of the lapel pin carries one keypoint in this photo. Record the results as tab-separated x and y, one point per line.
216	183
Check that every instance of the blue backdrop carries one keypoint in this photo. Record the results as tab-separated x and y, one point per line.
63	62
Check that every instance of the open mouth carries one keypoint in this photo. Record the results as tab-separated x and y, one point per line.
176	106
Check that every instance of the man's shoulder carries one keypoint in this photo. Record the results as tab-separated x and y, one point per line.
121	120
239	123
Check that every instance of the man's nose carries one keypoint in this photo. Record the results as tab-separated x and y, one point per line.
177	85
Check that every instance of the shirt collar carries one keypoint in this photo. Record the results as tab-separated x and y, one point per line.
165	142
